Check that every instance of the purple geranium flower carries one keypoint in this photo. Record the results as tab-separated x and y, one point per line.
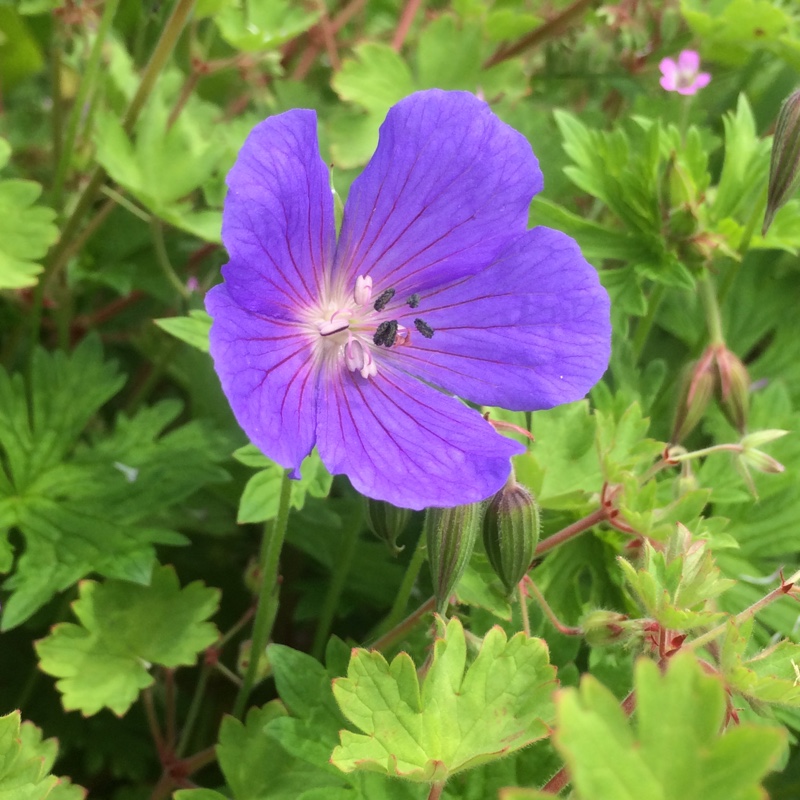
683	76
434	289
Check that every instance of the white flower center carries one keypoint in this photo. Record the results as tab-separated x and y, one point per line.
354	329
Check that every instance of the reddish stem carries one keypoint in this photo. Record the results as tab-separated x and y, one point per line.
404	25
571	531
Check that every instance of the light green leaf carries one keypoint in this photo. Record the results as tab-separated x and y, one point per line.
458	718
675	586
124	629
192	329
673	750
25	764
375	80
26	229
253	26
770	677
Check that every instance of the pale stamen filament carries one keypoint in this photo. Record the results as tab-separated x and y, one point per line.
357	356
363	291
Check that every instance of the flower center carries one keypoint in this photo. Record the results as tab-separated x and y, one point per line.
354	328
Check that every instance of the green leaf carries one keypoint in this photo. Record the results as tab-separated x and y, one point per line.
256	766
124	629
673	749
26	761
253	26
745	168
89	506
375	80
26	229
449	56
192	329
261	495
458	718
675	586
768	677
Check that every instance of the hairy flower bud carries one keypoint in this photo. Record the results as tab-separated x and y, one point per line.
784	167
717	370
734	387
697	387
387	522
511	532
758	459
603	628
450	534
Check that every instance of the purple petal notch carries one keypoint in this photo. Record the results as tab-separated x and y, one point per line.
435	291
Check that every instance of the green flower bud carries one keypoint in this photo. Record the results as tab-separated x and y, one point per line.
264	669
511	533
758	459
603	628
387	522
450	534
784	175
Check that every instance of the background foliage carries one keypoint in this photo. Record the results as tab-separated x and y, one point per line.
652	651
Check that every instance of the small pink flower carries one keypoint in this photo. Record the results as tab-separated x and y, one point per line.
683	76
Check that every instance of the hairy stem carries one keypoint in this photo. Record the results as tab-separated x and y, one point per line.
406	587
571	531
409	623
523	608
271	546
708	295
566	630
776	594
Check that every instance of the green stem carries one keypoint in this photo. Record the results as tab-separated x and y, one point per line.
400	630
271	546
756	215
708	295
161	53
88	79
523	608
646	324
57	116
403	595
157	232
341	571
194	710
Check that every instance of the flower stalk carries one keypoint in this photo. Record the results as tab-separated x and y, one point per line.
267	608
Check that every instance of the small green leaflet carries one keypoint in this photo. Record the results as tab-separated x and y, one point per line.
261	494
25	764
124	628
673	750
192	329
26	229
460	717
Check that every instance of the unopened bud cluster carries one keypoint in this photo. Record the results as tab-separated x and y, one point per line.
718	371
